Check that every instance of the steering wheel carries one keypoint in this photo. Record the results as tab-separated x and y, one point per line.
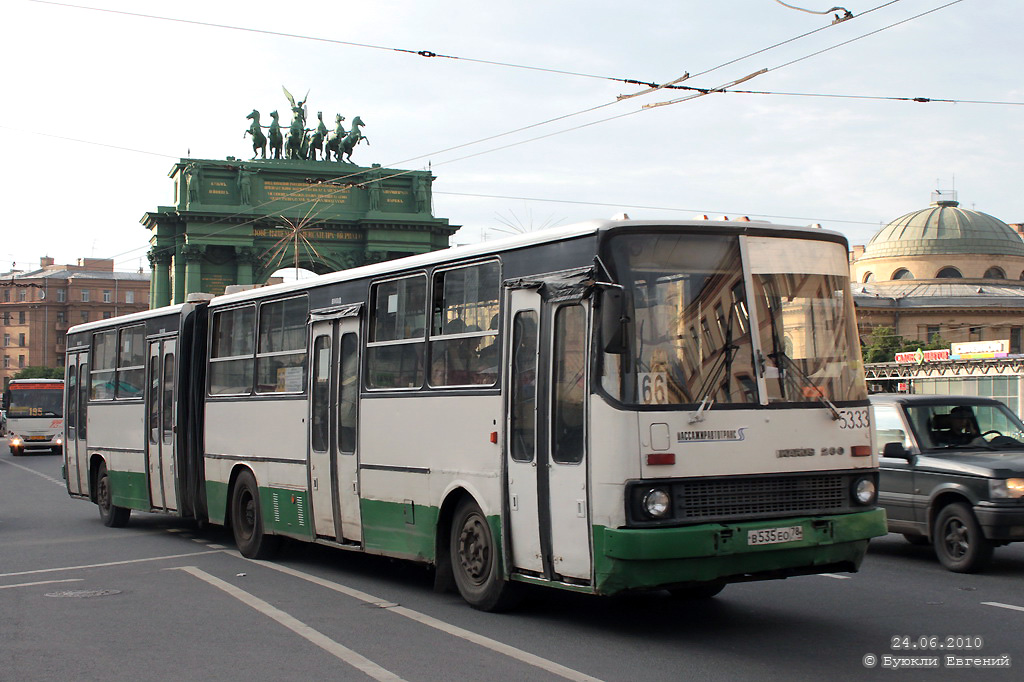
995	431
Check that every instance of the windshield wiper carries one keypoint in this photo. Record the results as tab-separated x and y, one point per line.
787	361
706	392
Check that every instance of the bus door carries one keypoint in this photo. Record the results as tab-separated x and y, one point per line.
546	388
76	393
160	427
333	425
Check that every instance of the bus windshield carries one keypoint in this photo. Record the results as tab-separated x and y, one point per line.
691	336
36	400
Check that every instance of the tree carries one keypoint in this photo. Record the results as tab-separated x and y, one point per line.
38	372
884	343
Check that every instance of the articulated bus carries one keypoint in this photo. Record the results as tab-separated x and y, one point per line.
34	417
606	407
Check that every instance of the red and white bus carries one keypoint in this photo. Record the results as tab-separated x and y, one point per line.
35	416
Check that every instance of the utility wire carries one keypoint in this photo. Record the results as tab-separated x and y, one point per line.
697	94
432	54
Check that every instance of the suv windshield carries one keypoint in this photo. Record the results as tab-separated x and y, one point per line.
691	336
955	425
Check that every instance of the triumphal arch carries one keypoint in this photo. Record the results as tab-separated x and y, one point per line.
237	222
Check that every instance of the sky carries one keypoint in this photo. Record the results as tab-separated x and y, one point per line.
98	106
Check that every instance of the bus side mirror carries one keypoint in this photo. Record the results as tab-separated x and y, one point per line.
613	321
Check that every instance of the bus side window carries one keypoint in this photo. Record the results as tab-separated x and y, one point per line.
523	407
348	394
568	380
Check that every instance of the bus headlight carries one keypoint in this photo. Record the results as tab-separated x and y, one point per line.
657	503
864	491
15	442
59	440
1010	488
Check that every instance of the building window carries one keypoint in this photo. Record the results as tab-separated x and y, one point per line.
869	277
62	295
1015	338
22	295
21	317
7	339
85	295
7	292
21	340
85	316
107	296
7	318
949	273
995	273
107	314
60	317
129	296
902	273
7	362
21	361
932	333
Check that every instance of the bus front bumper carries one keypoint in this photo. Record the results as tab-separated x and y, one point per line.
658	558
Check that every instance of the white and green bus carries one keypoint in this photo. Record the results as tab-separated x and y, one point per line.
611	406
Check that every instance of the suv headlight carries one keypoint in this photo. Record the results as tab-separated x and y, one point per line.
1008	488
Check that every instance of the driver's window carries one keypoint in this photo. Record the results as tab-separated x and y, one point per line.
889	427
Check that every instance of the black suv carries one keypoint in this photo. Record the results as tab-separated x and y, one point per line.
951	473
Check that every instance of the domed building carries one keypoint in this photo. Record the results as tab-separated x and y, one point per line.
951	272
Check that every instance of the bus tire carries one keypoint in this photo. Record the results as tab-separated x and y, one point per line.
16	452
247	521
111	515
474	561
959	542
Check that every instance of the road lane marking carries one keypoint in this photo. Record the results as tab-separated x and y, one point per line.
109	563
1003	606
42	582
51	479
429	621
340	651
833	575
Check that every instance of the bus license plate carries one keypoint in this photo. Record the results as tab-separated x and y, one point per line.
774	536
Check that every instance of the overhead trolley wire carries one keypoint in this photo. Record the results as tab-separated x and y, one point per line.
431	53
674	85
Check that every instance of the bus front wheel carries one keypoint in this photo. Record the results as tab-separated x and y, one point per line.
247	521
474	561
111	515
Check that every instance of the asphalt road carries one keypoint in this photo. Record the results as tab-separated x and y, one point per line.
165	600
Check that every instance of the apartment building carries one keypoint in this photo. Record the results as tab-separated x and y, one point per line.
37	306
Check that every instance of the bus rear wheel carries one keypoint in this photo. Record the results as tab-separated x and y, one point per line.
474	561
111	515
247	521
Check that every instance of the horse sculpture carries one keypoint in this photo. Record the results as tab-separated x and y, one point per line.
276	139
259	140
354	137
316	141
335	137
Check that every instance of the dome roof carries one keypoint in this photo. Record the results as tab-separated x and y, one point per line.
944	228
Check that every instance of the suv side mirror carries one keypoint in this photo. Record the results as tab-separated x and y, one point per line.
896	451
